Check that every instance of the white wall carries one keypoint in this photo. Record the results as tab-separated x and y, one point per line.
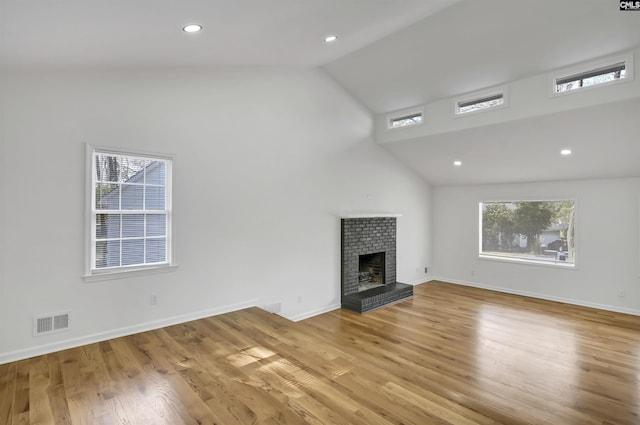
266	160
607	256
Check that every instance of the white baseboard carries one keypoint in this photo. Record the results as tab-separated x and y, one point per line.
315	312
419	281
12	356
547	297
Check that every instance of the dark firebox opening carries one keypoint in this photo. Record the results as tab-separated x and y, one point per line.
371	271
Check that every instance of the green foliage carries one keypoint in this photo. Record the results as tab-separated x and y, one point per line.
504	222
531	219
497	227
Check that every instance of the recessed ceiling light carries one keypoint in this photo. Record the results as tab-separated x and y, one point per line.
566	152
330	38
457	163
192	28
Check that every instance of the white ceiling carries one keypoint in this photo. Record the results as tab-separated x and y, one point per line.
148	33
477	44
604	139
391	54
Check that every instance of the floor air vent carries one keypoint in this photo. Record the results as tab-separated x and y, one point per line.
50	324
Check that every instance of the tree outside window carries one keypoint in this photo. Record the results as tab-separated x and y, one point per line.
536	231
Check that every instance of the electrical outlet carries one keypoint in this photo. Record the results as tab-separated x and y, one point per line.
622	293
153	299
426	270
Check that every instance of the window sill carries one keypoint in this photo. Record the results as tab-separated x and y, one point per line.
558	264
122	274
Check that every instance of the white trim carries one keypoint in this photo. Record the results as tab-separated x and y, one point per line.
627	58
403	113
571	301
478	95
418	281
12	356
120	273
370	215
531	262
314	312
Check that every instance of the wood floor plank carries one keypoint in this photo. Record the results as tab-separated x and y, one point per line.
7	392
451	355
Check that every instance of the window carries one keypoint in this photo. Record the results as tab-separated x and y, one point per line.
479	104
130	212
596	74
480	101
405	119
528	231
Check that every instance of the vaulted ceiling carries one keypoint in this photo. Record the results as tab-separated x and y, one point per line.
390	55
477	44
148	33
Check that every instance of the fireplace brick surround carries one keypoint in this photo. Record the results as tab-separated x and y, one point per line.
363	236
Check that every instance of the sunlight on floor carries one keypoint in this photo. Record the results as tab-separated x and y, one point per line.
502	355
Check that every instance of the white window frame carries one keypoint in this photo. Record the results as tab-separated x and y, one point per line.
395	116
533	262
91	273
584	67
479	95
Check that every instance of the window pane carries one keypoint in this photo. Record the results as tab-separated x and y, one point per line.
132	197
107	168
156	250
131	170
132	252
156	225
107	254
406	121
132	225
591	78
101	226
154	198
155	173
480	105
540	231
107	226
107	196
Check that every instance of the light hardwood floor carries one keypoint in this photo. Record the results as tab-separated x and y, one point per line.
450	355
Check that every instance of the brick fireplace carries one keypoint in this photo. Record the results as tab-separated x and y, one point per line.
369	264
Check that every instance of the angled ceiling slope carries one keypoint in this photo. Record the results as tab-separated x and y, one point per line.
136	33
604	140
477	44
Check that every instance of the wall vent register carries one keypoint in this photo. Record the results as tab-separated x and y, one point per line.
51	324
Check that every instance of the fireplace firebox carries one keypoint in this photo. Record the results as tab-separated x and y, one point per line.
370	271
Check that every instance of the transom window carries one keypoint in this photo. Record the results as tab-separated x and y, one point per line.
483	100
604	72
480	104
130	212
539	232
592	78
406	118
